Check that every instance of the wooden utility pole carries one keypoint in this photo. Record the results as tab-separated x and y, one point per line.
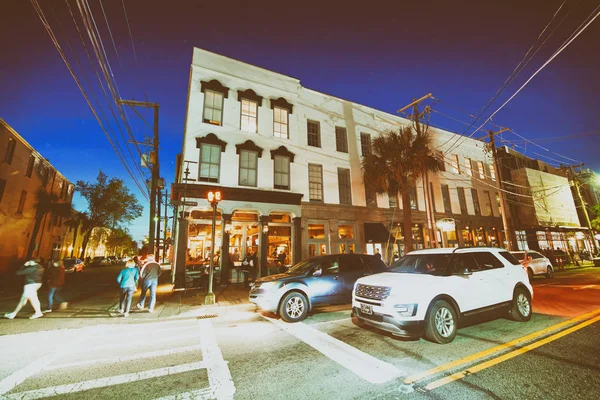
508	231
582	204
165	228
155	168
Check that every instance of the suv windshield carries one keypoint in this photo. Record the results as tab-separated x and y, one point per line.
302	267
430	264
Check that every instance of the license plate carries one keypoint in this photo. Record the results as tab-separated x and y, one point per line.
366	309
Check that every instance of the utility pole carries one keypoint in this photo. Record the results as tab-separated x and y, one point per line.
582	204
165	228
157	218
155	167
508	232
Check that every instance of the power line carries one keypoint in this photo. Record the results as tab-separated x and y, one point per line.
50	32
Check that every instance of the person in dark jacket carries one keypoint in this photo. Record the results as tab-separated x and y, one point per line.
128	278
55	278
150	273
33	274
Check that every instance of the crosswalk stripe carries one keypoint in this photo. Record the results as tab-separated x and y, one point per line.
104	382
362	364
162	339
219	375
200	394
159	353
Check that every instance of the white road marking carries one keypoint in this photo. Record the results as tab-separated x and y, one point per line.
200	394
219	376
38	365
143	332
362	364
104	382
118	359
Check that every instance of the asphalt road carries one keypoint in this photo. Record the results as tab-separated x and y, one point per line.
247	355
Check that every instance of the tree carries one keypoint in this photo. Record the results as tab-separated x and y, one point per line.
595	216
46	204
398	159
77	221
110	204
119	241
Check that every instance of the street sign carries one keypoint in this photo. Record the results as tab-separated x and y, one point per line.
184	203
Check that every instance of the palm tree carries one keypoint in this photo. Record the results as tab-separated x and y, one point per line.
398	159
46	203
77	221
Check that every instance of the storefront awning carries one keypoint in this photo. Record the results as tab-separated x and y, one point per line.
375	232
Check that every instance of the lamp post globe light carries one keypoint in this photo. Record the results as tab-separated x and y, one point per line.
213	198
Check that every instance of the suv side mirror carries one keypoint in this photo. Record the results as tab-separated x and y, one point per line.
318	272
463	272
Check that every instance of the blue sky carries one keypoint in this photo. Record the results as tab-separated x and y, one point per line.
383	56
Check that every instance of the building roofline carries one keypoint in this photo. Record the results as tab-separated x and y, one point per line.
400	120
33	150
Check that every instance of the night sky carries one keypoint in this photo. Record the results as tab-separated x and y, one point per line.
381	54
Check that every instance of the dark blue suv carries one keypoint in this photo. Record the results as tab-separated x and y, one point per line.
317	280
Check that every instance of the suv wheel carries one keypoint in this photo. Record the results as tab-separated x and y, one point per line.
441	323
549	272
521	307
294	307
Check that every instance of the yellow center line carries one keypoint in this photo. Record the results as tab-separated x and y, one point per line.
508	356
474	357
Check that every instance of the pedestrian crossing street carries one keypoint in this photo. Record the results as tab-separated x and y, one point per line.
164	360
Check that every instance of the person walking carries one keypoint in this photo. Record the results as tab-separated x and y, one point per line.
150	273
127	279
55	279
33	274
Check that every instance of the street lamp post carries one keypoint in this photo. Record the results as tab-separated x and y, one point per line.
213	198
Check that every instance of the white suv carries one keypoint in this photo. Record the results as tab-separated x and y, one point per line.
426	292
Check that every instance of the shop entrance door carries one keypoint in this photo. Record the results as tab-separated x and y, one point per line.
243	237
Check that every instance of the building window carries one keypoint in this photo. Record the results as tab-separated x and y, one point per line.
498	203
365	144
414	205
22	202
249	116
313	133
248	168
370	197
30	166
315	182
393	200
455	164
282	172
213	107
446	199
341	139
462	200
439	156
344	186
210	161
468	166
10	151
488	202
492	172
476	201
280	122
481	170
2	186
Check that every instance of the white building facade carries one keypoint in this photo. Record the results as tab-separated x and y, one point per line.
287	162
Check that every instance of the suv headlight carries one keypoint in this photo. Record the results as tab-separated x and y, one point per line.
405	310
270	285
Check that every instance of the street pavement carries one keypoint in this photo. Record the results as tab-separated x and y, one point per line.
187	350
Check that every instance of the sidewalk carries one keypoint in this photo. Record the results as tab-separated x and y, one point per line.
101	308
